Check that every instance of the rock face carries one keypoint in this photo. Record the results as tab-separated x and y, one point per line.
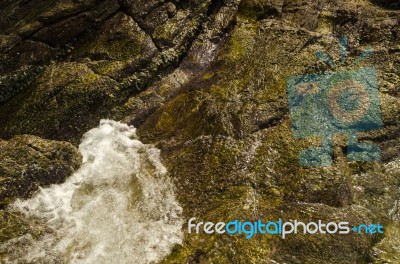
206	82
27	162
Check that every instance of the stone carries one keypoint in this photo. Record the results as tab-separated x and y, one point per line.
27	162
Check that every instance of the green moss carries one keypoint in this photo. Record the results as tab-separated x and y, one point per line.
164	32
53	104
207	76
255	9
241	42
118	49
12	83
15	224
108	68
325	23
387	250
173	114
189	114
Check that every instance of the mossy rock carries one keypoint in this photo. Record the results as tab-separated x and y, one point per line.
50	105
12	83
28	162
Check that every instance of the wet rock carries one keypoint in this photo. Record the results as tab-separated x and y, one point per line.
22	55
109	41
118	48
14	82
27	162
208	124
62	31
49	25
50	108
140	8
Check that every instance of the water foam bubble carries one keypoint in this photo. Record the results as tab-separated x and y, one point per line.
119	207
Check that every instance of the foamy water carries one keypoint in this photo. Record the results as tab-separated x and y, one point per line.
119	207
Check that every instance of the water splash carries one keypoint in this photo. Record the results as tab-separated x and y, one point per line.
119	207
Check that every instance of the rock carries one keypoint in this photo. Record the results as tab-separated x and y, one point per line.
22	54
27	162
49	25
12	83
120	47
226	138
109	41
50	105
62	31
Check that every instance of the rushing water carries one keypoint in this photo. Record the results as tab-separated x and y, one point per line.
119	207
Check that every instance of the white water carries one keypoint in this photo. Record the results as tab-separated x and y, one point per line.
119	207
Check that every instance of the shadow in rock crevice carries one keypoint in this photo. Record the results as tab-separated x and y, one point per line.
387	4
